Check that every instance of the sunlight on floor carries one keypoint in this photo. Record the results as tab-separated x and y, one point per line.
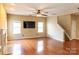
40	46
16	50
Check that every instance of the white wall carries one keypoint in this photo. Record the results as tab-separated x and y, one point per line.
53	29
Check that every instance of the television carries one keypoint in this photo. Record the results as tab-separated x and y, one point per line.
29	24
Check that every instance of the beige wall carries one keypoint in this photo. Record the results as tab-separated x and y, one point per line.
3	17
77	26
70	23
74	27
65	22
3	30
26	33
53	29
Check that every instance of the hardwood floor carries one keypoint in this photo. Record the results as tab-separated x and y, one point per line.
43	46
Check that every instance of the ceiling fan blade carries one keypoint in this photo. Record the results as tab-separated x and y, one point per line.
44	15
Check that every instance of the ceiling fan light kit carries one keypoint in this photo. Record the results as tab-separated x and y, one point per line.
38	15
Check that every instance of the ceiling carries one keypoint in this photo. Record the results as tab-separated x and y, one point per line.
47	8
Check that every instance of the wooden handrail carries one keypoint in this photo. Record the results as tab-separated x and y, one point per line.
65	32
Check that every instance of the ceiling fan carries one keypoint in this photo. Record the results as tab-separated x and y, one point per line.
40	13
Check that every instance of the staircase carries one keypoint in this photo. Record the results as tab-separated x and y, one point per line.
3	41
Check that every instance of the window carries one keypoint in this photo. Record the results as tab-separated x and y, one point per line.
16	27
40	26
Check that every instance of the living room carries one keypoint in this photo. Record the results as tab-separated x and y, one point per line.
39	28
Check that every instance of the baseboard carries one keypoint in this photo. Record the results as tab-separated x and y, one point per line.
49	36
32	37
75	38
27	38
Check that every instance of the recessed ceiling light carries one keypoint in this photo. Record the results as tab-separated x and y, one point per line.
11	9
12	4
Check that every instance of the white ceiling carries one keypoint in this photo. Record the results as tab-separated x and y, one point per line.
51	8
